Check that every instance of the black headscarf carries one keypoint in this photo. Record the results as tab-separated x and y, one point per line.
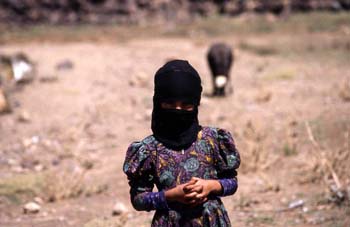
177	80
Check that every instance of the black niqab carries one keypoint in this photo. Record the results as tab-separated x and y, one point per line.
177	80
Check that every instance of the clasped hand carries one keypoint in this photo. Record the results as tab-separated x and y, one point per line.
194	192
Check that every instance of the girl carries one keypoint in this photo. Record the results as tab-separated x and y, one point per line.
192	166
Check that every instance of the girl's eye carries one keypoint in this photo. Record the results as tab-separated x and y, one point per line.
168	105
183	106
188	106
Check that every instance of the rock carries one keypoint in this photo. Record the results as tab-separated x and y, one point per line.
296	204
29	162
55	161
24	117
119	208
23	69
31	208
27	142
38	200
31	142
337	195
88	164
35	139
39	167
263	96
48	79
64	65
4	105
12	162
17	169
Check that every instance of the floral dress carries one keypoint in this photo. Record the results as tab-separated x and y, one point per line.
212	156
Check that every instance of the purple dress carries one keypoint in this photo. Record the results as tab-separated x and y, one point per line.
212	156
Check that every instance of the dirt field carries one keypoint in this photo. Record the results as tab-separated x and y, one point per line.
67	135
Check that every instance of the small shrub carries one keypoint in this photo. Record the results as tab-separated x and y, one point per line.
19	187
289	150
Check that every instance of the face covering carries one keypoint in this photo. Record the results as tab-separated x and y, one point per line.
176	81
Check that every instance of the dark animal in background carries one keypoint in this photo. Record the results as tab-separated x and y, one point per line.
220	59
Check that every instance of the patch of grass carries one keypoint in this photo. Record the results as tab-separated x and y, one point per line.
18	187
65	184
244	201
325	22
285	74
261	50
259	24
64	33
256	220
289	150
116	222
337	223
51	186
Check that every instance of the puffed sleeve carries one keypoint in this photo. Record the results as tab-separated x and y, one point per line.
227	160
139	169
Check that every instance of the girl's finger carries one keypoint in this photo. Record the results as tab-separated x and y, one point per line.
191	195
195	179
189	188
192	188
201	196
191	182
204	199
197	188
198	202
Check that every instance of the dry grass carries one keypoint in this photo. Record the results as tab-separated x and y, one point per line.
107	222
53	185
66	183
257	156
282	74
20	187
330	162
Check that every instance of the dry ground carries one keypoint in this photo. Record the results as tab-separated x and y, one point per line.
80	121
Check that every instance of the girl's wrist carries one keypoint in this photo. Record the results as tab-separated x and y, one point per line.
172	194
215	187
169	195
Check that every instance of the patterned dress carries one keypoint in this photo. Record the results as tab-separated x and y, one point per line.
212	156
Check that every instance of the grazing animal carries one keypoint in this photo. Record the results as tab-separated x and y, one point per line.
220	59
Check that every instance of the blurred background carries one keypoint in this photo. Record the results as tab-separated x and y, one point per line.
76	86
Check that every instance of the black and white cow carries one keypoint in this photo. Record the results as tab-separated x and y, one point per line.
220	59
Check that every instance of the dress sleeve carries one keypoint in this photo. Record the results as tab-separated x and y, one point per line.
227	160
138	167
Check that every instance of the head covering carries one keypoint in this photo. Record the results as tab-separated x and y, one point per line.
177	80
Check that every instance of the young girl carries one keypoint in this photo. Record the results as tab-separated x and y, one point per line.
191	165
